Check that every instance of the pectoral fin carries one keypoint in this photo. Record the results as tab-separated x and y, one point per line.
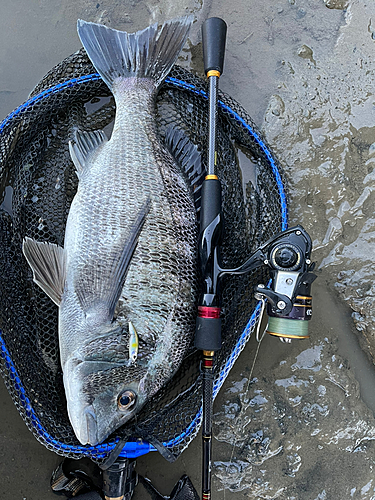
108	290
47	262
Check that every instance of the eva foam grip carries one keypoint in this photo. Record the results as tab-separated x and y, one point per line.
210	202
214	32
208	334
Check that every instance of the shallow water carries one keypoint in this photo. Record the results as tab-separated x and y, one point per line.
303	69
305	427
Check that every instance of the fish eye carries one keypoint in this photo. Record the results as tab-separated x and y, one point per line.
126	400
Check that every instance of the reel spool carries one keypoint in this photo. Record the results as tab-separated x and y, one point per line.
293	326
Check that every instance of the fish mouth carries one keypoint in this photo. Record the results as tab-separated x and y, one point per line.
88	430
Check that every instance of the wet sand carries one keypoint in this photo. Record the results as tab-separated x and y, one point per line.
304	71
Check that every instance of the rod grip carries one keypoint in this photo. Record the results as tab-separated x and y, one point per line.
210	202
214	32
208	334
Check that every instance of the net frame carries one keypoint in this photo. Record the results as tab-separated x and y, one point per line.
9	371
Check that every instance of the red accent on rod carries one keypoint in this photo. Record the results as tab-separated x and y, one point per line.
208	363
208	312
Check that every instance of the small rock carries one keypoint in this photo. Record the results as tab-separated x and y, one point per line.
336	4
306	53
276	105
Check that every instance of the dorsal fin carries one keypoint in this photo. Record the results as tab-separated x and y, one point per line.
47	261
84	145
189	159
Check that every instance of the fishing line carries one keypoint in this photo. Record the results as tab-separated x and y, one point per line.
259	341
260	321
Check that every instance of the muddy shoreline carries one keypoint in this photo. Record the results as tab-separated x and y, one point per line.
304	71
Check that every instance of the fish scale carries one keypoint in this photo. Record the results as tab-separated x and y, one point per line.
159	231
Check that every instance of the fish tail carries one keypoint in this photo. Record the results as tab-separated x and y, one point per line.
149	53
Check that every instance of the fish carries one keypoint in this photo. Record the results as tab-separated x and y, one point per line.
125	280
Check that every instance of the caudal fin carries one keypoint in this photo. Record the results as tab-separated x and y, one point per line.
149	53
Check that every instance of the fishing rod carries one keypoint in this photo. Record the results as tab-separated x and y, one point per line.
208	326
287	256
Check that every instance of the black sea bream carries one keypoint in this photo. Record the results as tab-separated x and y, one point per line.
130	243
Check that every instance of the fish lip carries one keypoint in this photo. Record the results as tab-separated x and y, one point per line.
89	428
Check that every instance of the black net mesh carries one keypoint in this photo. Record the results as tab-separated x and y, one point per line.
37	185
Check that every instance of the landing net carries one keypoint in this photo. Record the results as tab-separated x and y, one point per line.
37	185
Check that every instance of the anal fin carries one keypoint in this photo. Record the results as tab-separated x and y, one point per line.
47	262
